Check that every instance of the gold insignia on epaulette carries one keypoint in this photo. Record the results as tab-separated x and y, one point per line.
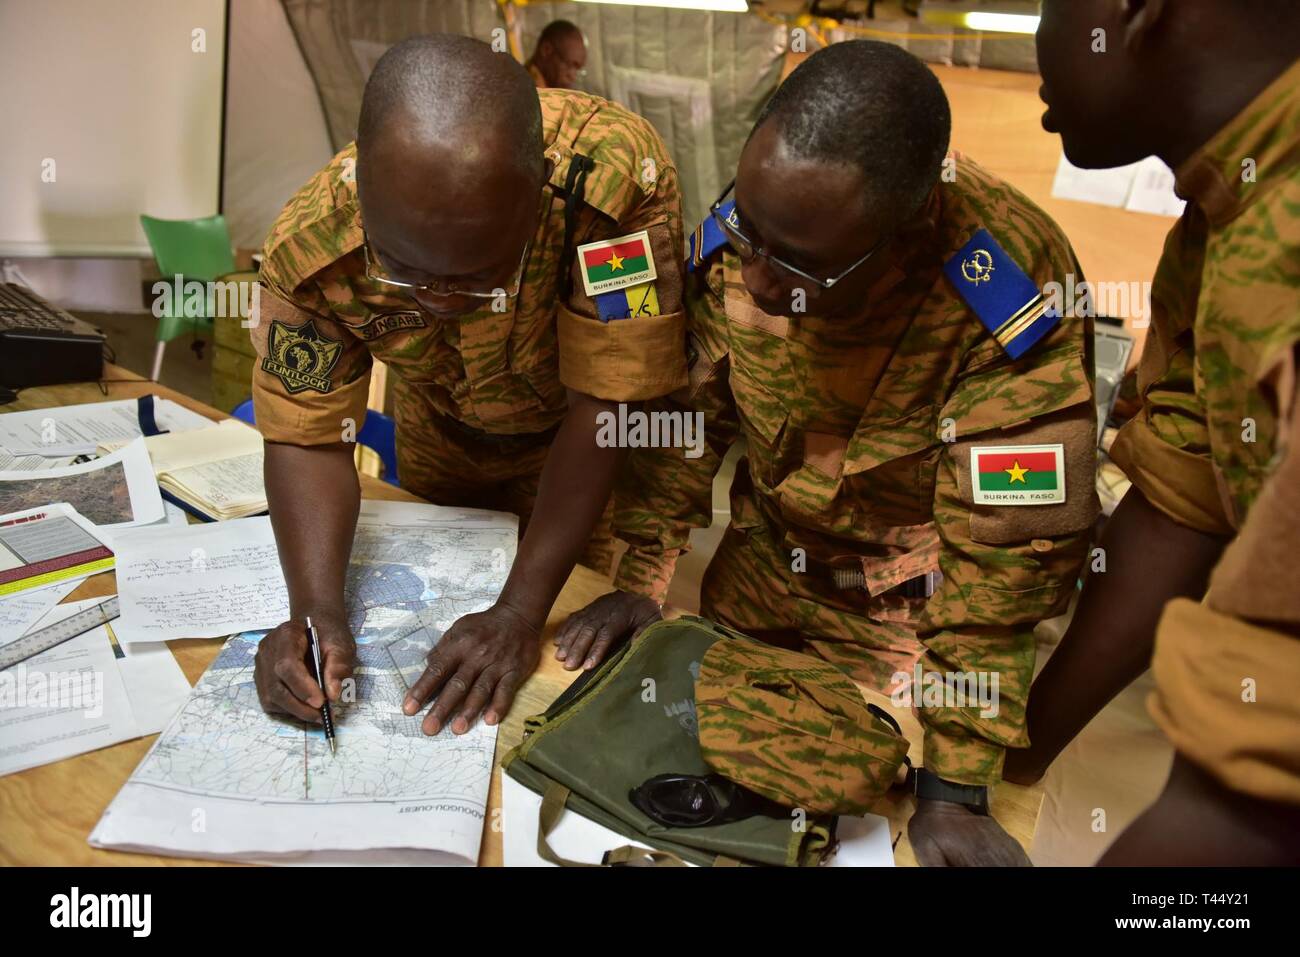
979	267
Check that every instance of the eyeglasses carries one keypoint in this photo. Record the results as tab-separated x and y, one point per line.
442	287
749	250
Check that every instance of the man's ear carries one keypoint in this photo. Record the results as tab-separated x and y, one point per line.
1141	20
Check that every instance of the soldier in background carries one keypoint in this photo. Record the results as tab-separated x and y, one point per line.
1213	89
878	333
458	242
560	59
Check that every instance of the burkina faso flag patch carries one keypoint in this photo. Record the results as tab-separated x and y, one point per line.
616	263
1018	474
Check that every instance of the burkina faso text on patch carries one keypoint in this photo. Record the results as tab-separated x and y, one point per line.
1018	474
616	263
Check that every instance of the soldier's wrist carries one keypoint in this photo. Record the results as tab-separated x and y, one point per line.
329	610
530	621
929	787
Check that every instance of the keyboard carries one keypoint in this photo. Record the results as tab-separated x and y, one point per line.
20	308
43	345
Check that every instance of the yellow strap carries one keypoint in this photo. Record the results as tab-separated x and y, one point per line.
630	855
553	802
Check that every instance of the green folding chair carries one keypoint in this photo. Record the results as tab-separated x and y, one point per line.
195	249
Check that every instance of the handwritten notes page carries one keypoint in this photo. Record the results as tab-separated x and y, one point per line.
228	488
200	581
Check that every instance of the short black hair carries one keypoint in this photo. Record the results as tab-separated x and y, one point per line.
871	105
557	29
443	85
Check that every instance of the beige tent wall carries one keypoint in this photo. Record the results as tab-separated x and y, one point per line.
298	68
276	136
700	78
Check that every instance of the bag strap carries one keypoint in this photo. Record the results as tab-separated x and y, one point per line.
629	855
575	190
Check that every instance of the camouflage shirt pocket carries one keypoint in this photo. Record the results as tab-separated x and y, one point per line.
890	470
1012	606
760	408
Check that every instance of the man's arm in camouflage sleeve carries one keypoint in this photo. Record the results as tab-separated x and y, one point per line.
310	381
484	657
1225	671
1167	533
1171	527
1149	560
1005	567
663	493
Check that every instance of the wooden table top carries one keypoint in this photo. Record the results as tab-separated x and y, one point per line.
47	812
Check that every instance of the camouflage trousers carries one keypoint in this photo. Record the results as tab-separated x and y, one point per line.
749	586
447	463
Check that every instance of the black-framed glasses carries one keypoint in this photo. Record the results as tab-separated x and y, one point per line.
374	272
748	250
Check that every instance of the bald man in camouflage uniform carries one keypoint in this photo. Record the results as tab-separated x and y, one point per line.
477	401
518	270
936	417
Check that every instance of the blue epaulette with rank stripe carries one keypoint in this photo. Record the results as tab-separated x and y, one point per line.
1008	302
707	237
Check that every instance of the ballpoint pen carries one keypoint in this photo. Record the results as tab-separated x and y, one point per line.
327	717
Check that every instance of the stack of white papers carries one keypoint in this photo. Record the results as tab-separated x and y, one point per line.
84	694
1145	187
31	463
80	429
114	491
18	613
200	581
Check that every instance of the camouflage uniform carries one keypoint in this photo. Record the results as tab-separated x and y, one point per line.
1214	446
477	400
846	423
793	729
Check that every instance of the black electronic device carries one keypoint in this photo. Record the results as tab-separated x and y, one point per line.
43	345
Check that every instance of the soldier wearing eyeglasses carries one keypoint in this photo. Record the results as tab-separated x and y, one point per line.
868	312
516	265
